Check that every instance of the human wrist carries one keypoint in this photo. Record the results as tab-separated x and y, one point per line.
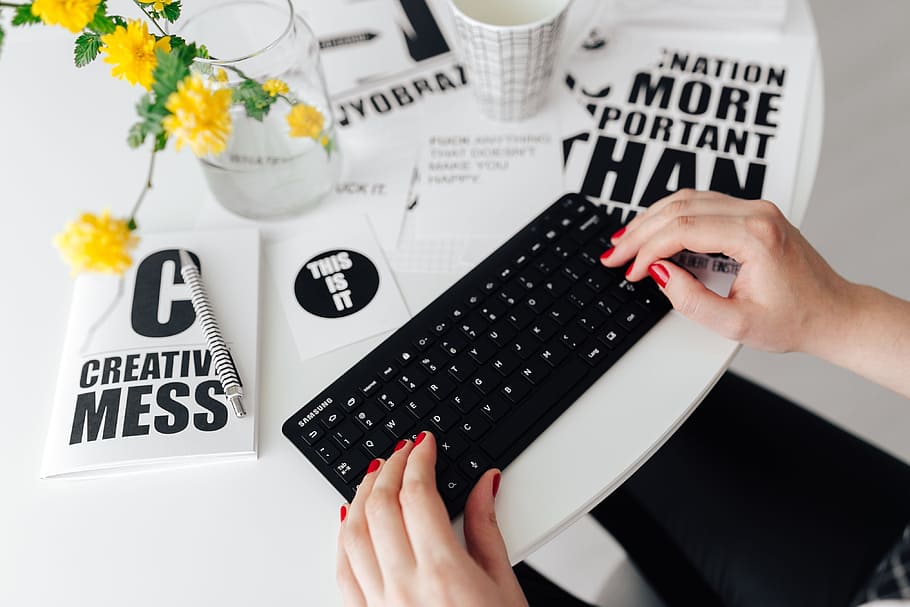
829	334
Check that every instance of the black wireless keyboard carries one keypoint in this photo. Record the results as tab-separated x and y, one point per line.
490	363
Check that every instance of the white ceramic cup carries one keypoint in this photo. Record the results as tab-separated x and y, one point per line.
509	49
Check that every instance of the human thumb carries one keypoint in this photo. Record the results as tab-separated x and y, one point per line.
481	531
695	301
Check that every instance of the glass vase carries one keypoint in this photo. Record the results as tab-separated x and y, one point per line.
268	169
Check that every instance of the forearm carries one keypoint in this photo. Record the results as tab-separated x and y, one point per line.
869	335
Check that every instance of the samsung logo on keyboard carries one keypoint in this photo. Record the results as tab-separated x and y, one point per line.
309	417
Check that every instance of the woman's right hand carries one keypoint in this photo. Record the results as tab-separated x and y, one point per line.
785	297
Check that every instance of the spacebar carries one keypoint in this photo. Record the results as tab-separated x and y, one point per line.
514	426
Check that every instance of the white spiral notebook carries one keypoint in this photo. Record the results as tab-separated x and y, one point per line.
137	388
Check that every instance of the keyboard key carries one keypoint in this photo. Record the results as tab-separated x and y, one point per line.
565	248
536	248
590	320
505	362
556	286
440	327
330	417
351	403
562	311
489	286
624	291
346	434
462	368
456	313
451	445
432	362
443	417
388	372
515	388
554	353
422	343
376	443
501	333
629	316
465	399
474	425
573	336
473	300
510	295
451	484
493	407
397	424
574	270
492	310
419	405
369	389
473	327
520	317
391	396
521	261
453	343
539	301
327	452
412	378
606	304
544	329
611	335
481	351
587	229
485	380
580	296
404	357
593	352
474	464
524	345
351	465
547	264
535	370
369	415
596	282
312	434
505	273
440	387
539	401
530	279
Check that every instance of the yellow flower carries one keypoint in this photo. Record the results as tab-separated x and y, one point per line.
158	4
275	87
74	15
131	50
199	116
305	121
96	243
221	75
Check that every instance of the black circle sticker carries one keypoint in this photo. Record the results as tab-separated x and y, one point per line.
336	283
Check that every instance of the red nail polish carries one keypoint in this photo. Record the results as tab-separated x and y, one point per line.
400	445
374	466
629	271
420	438
618	233
607	253
659	273
496	480
344	512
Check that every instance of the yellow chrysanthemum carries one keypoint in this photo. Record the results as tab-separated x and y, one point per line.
131	50
275	87
97	243
221	75
305	121
199	117
158	5
74	15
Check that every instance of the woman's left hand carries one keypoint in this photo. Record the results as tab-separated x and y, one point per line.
396	546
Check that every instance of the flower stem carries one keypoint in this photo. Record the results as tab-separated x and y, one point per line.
150	17
11	5
145	188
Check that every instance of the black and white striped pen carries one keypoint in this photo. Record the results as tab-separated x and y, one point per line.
221	356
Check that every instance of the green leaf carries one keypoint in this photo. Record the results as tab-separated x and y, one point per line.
2	35
160	141
177	42
88	44
24	15
255	100
101	23
171	11
171	69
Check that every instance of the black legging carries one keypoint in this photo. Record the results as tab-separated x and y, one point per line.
754	502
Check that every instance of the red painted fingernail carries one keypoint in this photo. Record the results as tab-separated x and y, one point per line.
420	438
659	273
400	445
374	466
344	512
496	480
629	271
618	233
607	253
